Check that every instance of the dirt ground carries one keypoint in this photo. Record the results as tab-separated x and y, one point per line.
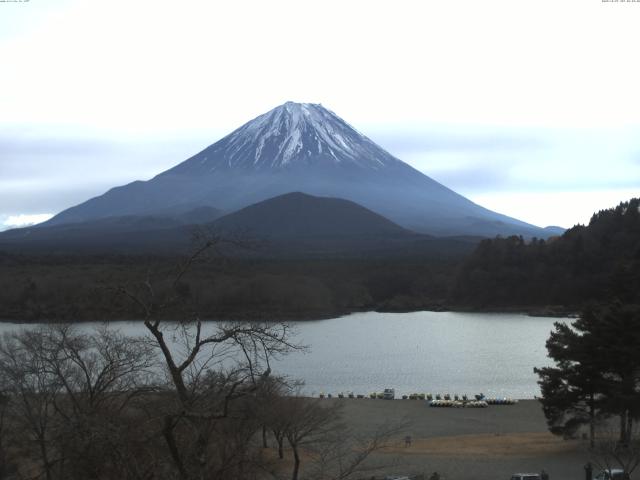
469	443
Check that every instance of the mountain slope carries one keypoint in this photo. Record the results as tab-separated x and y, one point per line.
298	215
127	233
291	225
305	148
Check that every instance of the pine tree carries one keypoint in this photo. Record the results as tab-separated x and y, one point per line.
617	330
596	372
570	389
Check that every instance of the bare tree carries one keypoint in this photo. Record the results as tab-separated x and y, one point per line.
315	431
271	409
32	392
267	402
101	375
71	394
343	454
4	402
610	453
308	422
210	368
102	370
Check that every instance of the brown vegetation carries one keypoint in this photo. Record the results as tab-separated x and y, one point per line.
41	289
188	401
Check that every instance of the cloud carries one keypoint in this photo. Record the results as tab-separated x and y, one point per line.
85	155
434	139
479	178
431	62
563	208
39	172
34	198
24	220
36	155
483	159
30	145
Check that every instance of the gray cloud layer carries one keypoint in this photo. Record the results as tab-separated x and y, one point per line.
450	141
42	173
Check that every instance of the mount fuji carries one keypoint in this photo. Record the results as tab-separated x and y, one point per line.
300	147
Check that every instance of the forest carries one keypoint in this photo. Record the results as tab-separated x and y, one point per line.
596	262
86	288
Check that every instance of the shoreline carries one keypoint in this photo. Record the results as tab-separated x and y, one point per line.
543	312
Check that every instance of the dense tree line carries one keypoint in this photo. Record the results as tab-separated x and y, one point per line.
600	261
83	288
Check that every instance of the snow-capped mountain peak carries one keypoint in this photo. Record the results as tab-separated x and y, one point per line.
300	147
290	136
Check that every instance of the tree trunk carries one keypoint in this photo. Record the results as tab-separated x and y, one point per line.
45	458
167	432
623	427
174	371
280	441
296	462
592	421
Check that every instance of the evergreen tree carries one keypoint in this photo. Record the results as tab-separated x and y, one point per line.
570	389
596	372
598	262
616	328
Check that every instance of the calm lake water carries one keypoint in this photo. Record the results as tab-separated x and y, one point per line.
422	352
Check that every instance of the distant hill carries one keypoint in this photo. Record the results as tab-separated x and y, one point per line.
129	234
600	261
554	230
294	224
298	215
305	226
166	232
307	148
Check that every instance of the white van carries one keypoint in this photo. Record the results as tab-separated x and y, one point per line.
525	476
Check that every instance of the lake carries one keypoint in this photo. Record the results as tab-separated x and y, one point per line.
422	352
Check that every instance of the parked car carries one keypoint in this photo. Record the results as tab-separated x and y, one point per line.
612	474
525	476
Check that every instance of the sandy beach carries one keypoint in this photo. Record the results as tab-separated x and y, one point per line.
469	443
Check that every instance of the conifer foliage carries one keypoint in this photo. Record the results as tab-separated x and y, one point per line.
596	373
597	262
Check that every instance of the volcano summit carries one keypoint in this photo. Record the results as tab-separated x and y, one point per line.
300	147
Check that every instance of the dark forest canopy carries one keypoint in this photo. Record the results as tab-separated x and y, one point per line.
600	261
82	288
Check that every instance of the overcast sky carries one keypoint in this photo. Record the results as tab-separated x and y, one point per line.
530	108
